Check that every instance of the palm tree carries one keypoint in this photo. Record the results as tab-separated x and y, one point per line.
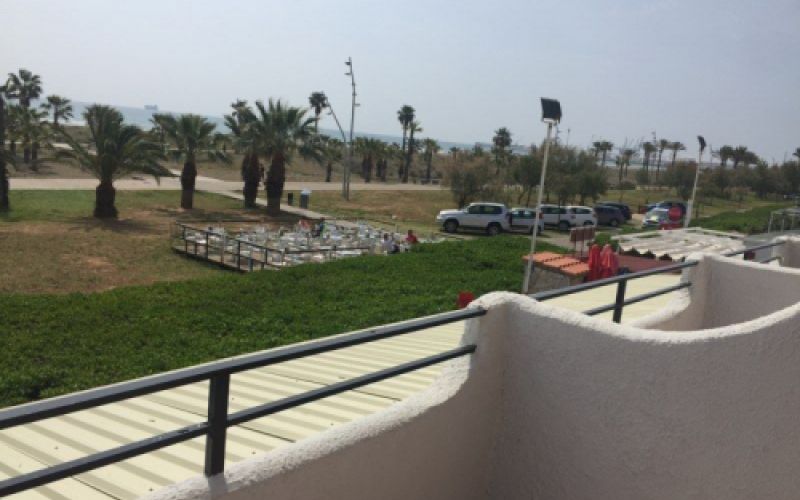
24	87
240	122
411	147
369	149
501	141
282	131
796	153
649	148
604	147
740	154
30	127
59	107
318	102
405	115
114	150
431	147
662	145
725	154
4	186
192	134
675	147
331	152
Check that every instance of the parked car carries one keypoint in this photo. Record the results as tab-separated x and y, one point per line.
667	205
567	217
623	207
609	216
524	219
489	217
656	217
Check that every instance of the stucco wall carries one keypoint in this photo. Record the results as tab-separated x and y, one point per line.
558	405
789	251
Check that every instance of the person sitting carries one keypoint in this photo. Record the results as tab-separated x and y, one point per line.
411	238
389	246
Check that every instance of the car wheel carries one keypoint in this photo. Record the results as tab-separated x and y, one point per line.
493	229
614	223
451	226
563	225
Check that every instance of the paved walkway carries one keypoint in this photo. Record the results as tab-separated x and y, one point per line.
203	184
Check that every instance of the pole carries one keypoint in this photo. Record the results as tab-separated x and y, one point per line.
694	190
348	167
535	232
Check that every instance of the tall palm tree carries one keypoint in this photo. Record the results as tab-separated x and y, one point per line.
241	122
411	147
30	127
725	154
604	147
114	150
4	186
675	147
405	115
59	107
318	102
662	145
370	150
192	135
649	148
740	154
430	148
501	141
24	86
281	132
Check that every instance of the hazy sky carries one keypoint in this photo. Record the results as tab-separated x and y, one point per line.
728	69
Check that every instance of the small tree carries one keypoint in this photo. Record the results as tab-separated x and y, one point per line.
680	176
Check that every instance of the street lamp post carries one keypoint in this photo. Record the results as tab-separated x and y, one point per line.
551	114
702	142
348	165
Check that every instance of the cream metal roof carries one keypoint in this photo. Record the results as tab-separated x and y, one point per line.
678	243
49	442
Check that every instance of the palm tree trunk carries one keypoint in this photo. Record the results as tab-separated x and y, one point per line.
105	195
4	204
250	175
658	165
188	177
328	172
428	171
275	181
674	155
604	160
368	170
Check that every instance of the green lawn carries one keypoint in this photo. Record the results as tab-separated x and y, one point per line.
53	344
70	205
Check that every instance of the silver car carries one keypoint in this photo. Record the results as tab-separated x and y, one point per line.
524	219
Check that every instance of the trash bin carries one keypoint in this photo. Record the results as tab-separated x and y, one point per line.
290	199
304	196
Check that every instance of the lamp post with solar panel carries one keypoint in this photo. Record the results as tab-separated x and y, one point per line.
551	115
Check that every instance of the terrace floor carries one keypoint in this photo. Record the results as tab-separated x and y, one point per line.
49	442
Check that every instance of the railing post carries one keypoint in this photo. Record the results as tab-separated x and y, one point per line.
619	303
183	237
217	423
238	255
208	242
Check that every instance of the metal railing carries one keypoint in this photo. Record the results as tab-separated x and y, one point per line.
622	282
218	419
244	255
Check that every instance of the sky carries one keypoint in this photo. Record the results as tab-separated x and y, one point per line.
622	69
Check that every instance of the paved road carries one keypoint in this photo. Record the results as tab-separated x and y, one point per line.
204	184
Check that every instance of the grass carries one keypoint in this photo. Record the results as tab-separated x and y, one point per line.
50	243
708	207
408	209
54	344
755	220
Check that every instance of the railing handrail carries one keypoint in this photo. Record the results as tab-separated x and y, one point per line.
94	397
218	418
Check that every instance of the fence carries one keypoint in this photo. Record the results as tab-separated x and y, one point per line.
243	255
219	420
622	281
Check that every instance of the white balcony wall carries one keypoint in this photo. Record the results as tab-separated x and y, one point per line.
558	405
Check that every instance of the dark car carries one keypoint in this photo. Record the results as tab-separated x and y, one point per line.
609	216
667	204
623	207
